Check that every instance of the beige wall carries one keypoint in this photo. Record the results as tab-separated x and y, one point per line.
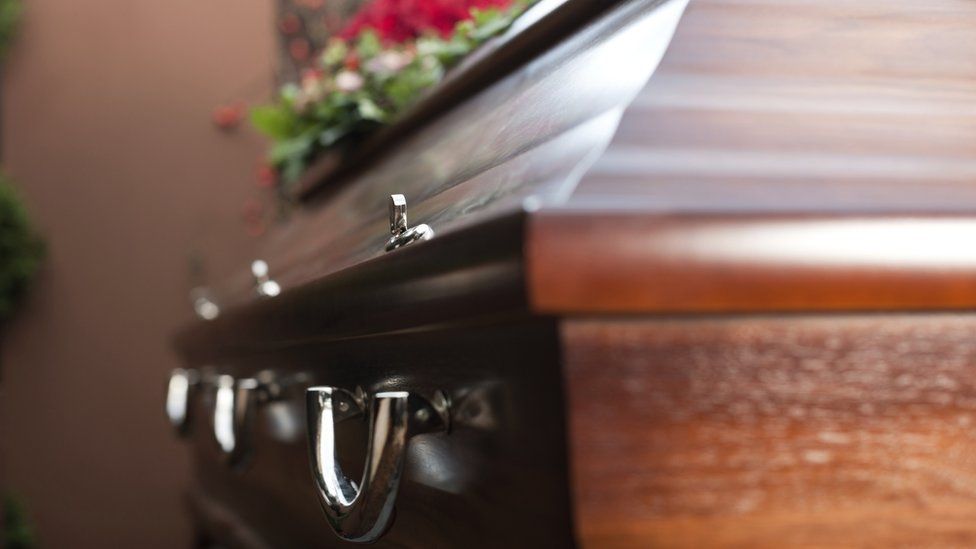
105	122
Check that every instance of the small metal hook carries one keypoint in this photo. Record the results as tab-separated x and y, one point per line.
402	234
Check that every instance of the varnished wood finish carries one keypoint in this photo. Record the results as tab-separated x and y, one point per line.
463	275
788	158
217	525
530	136
499	478
635	261
758	108
785	156
798	105
833	431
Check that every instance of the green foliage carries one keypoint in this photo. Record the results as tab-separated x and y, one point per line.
276	121
363	85
20	249
10	12
17	530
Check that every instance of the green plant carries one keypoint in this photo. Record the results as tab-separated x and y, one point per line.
361	85
10	12
20	249
17	530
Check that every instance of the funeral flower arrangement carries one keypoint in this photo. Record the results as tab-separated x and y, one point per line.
378	65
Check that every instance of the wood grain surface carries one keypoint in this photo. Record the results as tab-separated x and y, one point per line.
632	261
786	155
799	105
789	157
528	136
499	478
759	107
829	431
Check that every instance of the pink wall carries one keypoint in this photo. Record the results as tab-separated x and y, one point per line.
106	107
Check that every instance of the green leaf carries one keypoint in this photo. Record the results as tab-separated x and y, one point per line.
335	53
447	52
368	44
289	149
288	93
488	23
302	125
411	82
330	136
292	169
275	121
370	110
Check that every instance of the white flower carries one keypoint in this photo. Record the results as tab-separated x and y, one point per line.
313	88
388	62
348	81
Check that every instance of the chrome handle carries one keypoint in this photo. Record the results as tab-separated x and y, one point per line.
233	405
363	512
179	395
236	402
263	285
203	304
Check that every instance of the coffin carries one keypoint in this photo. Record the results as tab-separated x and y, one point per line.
711	293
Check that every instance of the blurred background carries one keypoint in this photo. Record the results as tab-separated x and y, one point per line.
108	133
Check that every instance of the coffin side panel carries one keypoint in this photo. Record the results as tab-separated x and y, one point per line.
822	431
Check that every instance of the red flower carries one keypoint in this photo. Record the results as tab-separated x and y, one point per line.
229	116
266	175
400	20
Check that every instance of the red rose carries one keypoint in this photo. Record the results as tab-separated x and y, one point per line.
400	20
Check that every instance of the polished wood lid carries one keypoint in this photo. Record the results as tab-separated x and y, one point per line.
785	156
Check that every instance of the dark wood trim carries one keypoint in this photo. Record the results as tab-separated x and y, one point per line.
602	261
472	272
648	264
218	526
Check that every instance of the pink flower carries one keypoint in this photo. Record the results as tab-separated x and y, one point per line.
348	81
313	87
312	79
389	62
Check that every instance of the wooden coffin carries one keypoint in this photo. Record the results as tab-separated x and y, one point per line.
723	301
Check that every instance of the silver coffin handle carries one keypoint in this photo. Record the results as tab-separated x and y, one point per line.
180	391
233	405
362	512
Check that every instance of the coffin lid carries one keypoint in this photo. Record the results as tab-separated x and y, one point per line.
752	172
